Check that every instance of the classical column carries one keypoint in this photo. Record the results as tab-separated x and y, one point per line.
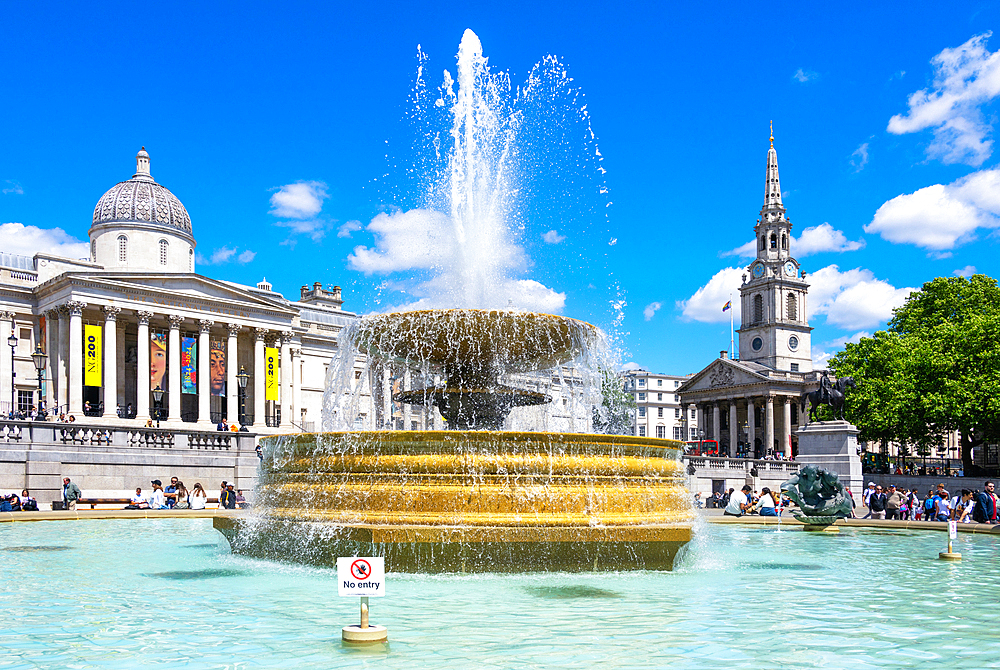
732	428
701	420
6	381
52	363
716	425
407	412
259	387
769	425
74	375
111	361
386	398
751	424
142	363
62	372
786	428
204	374
174	367
232	369
286	379
297	384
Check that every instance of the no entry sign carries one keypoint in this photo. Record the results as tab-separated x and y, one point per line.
361	576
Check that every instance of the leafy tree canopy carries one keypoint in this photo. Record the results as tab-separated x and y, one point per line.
936	369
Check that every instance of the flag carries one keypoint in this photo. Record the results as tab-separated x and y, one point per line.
728	305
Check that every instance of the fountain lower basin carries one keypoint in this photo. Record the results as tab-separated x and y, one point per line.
469	501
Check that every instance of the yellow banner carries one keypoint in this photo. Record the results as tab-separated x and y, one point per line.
271	379
92	356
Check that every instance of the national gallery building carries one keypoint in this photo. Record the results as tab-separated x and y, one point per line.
134	322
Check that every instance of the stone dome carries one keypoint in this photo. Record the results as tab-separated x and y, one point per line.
141	199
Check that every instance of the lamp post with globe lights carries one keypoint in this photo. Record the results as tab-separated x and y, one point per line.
158	403
242	379
12	343
39	359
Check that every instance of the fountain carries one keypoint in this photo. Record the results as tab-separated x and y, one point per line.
474	497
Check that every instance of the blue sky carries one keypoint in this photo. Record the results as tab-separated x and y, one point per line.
273	122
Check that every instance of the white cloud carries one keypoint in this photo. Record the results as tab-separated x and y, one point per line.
13	187
965	77
966	272
301	200
314	228
707	302
853	299
631	366
552	237
802	76
941	217
474	276
651	309
859	159
814	240
349	227
223	255
22	240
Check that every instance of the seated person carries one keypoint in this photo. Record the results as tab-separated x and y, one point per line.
138	501
241	502
28	504
765	505
156	498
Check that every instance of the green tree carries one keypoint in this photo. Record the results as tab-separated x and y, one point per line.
617	409
936	369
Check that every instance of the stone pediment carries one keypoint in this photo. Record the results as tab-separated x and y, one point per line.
170	290
722	373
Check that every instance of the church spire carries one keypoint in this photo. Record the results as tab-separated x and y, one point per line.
772	186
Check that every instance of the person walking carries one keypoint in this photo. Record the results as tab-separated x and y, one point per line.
877	503
71	494
227	500
866	499
893	502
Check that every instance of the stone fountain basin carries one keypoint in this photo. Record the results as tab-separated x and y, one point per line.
469	500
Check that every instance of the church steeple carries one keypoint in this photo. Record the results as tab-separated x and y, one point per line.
772	185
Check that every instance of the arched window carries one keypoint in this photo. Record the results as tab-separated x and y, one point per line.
792	307
122	249
774	241
758	308
763	242
784	241
163	252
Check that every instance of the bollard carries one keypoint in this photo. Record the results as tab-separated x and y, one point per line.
952	534
364	633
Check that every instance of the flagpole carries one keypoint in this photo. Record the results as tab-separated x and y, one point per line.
732	347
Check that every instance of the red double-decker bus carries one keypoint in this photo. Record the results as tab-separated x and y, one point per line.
702	448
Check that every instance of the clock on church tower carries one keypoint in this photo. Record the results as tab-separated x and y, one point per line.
774	331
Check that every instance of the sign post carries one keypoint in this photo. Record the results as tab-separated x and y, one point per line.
364	577
952	535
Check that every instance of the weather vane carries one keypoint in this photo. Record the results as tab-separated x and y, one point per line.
772	132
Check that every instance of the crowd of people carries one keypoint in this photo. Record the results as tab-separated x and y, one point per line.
967	506
749	501
177	496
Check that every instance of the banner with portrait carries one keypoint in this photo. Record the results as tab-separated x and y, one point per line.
271	379
217	367
92	372
158	361
189	365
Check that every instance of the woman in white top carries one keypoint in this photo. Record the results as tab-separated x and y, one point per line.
765	505
198	497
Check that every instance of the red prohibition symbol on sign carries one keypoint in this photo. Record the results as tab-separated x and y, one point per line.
360	569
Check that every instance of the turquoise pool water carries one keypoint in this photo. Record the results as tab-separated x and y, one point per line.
144	593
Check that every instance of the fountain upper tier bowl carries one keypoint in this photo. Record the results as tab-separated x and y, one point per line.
477	342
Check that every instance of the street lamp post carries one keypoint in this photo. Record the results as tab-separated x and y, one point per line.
158	403
39	358
242	379
12	342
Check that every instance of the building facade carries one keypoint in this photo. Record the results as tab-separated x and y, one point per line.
659	412
134	319
752	405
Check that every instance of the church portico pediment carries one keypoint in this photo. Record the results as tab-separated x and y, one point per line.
722	374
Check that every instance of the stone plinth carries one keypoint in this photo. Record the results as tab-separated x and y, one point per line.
833	446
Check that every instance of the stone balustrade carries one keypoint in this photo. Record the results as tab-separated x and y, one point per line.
730	467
